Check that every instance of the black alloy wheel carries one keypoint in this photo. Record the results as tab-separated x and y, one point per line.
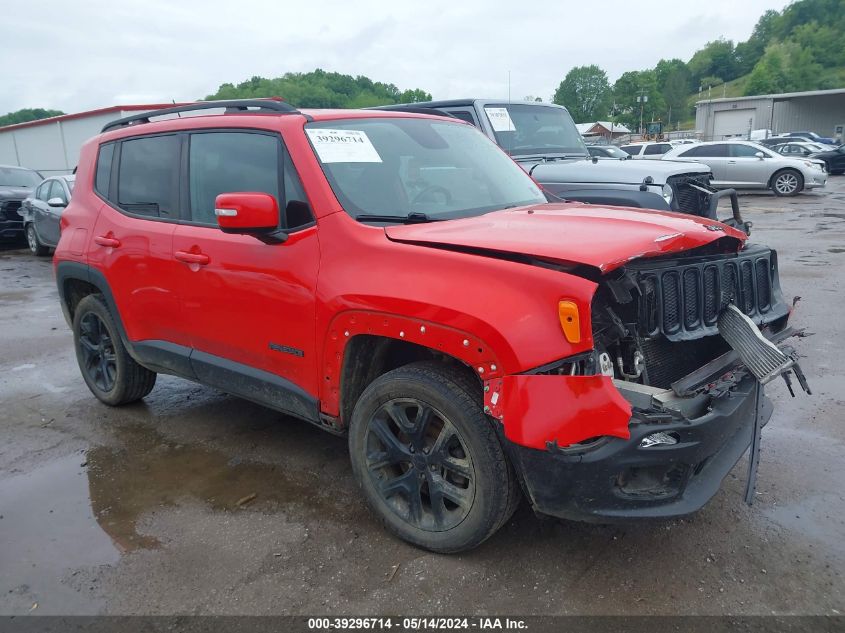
419	464
98	354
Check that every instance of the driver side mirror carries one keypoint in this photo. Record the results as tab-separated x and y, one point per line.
56	202
249	213
760	155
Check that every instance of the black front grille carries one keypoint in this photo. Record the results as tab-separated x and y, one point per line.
9	210
688	199
666	361
684	301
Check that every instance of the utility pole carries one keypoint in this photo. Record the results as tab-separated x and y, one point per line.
642	99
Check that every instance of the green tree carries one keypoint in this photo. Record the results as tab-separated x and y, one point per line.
748	53
676	90
628	88
27	114
666	68
585	92
715	59
321	89
785	67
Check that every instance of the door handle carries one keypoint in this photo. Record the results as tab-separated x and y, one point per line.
105	240
731	162
192	258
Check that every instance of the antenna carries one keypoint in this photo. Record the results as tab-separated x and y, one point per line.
174	103
509	86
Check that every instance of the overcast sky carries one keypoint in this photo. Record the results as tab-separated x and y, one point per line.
76	55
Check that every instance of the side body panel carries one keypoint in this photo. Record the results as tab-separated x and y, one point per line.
506	309
252	302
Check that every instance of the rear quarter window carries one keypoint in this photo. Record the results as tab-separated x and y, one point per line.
102	178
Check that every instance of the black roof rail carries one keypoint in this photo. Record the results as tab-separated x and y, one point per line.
232	106
413	109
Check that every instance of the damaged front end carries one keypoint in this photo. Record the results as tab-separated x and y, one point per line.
650	421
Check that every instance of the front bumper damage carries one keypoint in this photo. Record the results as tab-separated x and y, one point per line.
597	449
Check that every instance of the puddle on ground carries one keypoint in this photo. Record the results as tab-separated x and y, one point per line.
146	472
83	510
47	528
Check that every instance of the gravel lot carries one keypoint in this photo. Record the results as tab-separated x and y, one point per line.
135	510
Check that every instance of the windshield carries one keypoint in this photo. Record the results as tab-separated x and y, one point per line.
401	166
12	177
524	130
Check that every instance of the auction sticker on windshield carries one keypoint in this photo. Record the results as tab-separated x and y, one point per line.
500	119
343	146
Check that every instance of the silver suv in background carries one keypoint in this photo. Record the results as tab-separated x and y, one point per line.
749	165
543	139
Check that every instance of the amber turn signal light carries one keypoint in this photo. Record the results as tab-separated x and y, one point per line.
570	323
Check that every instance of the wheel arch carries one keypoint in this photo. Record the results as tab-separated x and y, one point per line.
361	346
783	169
75	281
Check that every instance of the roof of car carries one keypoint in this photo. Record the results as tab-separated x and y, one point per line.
117	130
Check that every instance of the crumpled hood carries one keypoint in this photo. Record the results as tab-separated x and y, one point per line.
598	236
14	193
614	171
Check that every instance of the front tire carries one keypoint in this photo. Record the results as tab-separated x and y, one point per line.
35	245
787	182
429	461
110	372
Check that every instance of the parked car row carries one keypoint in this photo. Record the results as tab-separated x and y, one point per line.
31	207
16	183
748	165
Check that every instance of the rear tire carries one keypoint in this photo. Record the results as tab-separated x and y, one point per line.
110	372
429	461
35	245
787	182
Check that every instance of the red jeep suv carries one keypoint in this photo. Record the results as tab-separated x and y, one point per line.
397	278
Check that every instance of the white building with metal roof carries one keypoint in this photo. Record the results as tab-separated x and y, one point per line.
819	111
51	146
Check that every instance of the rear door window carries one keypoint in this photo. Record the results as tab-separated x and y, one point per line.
719	150
744	151
633	150
148	176
657	149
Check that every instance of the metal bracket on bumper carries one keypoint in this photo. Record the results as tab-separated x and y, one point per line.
715	196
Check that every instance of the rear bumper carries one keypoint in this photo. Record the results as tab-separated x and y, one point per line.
619	480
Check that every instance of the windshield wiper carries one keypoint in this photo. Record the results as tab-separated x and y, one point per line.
411	218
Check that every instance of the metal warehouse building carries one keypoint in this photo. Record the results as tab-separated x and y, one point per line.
51	146
820	111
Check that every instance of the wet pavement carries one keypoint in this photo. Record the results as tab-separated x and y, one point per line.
195	502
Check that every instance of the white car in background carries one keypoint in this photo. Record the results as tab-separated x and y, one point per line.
799	149
749	165
654	150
